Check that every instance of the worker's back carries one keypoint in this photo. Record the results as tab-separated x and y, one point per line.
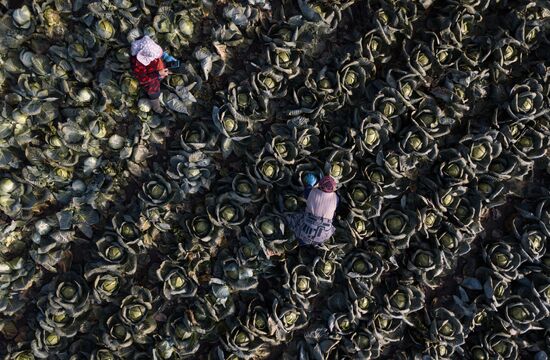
322	204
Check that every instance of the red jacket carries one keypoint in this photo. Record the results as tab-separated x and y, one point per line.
148	76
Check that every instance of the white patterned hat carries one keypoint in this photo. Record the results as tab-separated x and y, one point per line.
146	50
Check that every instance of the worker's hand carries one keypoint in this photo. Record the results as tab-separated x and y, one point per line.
164	73
310	179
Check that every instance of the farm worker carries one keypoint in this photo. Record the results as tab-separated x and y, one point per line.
314	225
149	69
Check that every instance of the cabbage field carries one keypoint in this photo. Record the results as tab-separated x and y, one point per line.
127	234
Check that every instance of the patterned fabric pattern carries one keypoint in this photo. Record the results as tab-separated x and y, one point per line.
146	50
310	229
148	76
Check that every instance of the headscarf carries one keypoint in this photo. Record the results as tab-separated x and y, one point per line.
146	50
327	184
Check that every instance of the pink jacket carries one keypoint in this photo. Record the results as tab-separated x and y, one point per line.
322	204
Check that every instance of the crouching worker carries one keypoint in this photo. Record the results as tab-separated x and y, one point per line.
149	69
314	226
